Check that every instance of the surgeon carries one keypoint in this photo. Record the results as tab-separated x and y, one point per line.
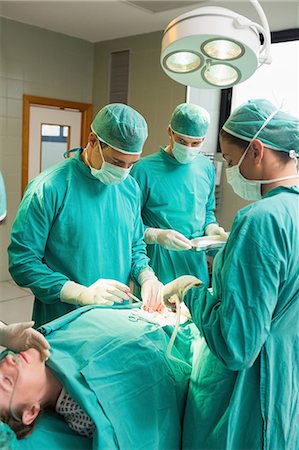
78	235
108	377
3	210
177	185
244	387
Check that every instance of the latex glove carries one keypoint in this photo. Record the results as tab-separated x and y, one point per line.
21	336
214	230
102	292
169	239
151	291
178	288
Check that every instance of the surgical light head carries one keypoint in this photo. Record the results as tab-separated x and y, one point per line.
214	47
280	133
190	121
121	127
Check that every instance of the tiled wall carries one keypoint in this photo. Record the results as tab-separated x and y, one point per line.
151	92
34	61
15	303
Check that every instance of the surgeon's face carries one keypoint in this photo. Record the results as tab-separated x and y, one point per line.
22	380
187	142
119	159
232	154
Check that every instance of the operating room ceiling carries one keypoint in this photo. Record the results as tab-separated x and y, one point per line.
99	20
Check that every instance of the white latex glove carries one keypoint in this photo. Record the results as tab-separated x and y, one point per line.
178	288
21	336
214	230
151	291
102	292
169	239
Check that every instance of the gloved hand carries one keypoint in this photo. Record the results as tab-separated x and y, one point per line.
169	239
102	292
151	291
214	230
21	336
178	288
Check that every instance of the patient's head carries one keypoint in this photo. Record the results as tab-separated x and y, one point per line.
26	387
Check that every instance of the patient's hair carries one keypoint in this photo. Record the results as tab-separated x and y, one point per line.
17	426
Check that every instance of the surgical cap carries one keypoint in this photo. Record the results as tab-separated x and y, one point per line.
280	133
121	127
190	121
8	439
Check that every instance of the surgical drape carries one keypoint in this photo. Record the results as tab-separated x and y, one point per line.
118	372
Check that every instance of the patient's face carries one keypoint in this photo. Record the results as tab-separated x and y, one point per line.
22	381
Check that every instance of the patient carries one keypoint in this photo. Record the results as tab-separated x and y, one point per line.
109	377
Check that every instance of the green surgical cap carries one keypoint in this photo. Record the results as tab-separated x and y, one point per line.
121	127
190	120
8	439
280	133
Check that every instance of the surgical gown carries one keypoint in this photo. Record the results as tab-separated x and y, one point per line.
179	197
244	386
2	199
117	371
70	226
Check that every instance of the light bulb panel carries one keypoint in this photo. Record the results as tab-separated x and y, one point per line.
183	61
222	49
214	24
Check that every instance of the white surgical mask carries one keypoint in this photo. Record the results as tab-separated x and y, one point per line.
251	189
109	173
184	154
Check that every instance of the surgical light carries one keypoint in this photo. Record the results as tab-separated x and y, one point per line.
183	62
223	49
214	47
221	75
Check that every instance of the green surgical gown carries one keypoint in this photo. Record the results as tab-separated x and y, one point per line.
70	226
244	387
2	199
179	197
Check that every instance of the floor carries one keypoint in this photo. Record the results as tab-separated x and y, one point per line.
15	302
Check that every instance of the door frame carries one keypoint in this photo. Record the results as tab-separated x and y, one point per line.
28	100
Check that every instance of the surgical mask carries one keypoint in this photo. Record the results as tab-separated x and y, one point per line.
251	189
109	174
184	154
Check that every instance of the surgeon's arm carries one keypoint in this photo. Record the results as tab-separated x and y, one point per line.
211	225
29	236
211	204
140	260
235	320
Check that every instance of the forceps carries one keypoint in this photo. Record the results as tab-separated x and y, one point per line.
133	297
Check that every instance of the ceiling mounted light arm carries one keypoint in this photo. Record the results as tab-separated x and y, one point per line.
266	33
241	21
214	47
